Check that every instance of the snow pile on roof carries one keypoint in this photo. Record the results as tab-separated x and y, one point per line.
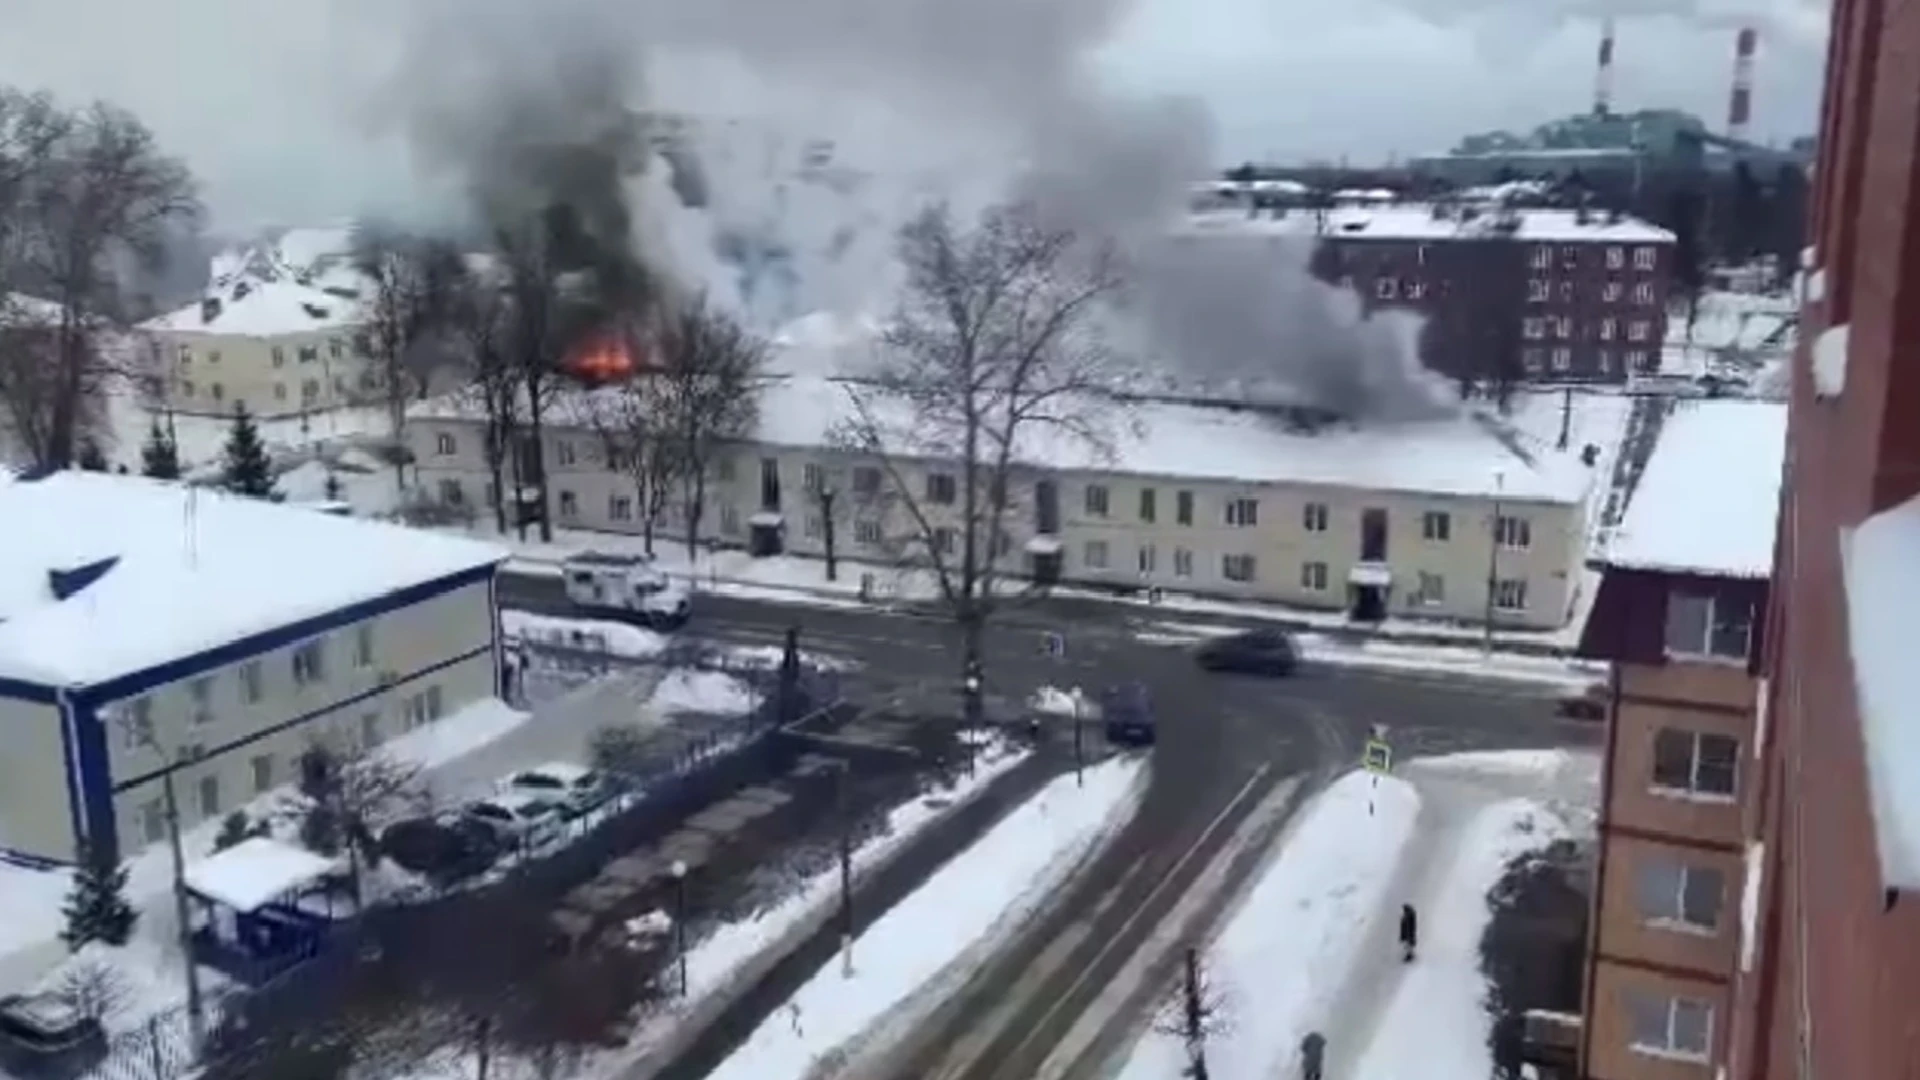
1881	559
1419	221
21	310
1710	495
255	872
262	309
1830	362
156	571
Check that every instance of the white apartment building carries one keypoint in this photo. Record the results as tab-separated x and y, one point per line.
148	628
1441	520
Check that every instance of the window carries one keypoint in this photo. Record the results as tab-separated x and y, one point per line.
1386	288
250	687
200	691
1610	292
340	386
813	526
336	350
1603	361
866	531
1671	1026
186	356
1564	328
450	493
1237	567
1416	289
1148	558
1569	256
1643	258
310	390
1420	254
1538	291
1512	532
866	481
563	452
1643	293
1436	525
813	477
1313	517
1533	360
153	820
309	353
1182	562
1096	499
943	540
1510	594
279	391
729	519
1562	358
1243	513
1566	291
1313	576
569	505
416	711
620	507
1095	555
137	727
434	702
1183	507
1695	762
186	387
1637	330
1606	329
1147	508
941	489
1542	257
1637	360
279	356
1673	893
218	391
310	662
1431	590
1533	328
1616	257
209	796
363	645
1708	626
262	772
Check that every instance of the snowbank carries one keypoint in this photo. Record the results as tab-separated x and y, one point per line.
458	733
1053	701
988	888
708	692
1280	960
768	657
1830	362
1437	1024
597	635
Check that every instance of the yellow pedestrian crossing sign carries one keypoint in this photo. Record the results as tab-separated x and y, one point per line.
1378	757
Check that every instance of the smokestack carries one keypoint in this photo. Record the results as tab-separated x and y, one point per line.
1603	73
1740	107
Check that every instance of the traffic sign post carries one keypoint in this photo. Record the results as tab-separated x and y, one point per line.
1056	645
1377	758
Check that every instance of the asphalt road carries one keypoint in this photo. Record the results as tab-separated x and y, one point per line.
1225	742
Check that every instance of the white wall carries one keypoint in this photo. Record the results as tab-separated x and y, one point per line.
35	818
209	373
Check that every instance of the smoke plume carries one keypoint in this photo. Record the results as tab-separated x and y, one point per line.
525	100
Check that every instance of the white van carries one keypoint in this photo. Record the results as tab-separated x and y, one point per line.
627	584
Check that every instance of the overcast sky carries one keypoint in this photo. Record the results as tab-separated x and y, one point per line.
272	103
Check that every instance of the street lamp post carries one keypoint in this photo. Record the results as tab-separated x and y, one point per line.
1493	562
1079	751
827	495
142	733
679	870
970	686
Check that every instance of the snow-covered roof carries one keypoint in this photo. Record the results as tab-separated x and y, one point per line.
183	570
255	872
1420	221
20	310
1881	560
263	309
1710	495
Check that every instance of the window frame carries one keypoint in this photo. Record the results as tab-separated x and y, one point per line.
1671	911
1088	551
1241	512
1096	501
1315	517
1711	629
1671	1005
1697	766
1314	576
1513	532
1510	594
1436	526
1231	561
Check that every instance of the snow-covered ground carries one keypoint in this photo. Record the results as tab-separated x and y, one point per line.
1276	967
711	693
934	937
1387	655
596	635
1731	333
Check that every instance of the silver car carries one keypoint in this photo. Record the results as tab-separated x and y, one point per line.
517	818
573	788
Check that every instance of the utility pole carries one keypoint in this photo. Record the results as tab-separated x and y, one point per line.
142	733
679	870
1079	744
846	867
827	495
1566	418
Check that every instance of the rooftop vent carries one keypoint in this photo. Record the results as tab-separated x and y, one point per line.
1353	226
65	583
240	291
342	292
209	309
314	310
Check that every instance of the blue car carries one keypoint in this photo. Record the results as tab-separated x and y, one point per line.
1128	712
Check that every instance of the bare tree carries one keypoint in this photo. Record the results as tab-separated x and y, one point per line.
541	326
1194	1013
477	331
92	986
105	196
412	283
634	422
995	350
353	787
708	371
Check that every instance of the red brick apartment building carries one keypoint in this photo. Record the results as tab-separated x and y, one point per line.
1680	614
1540	294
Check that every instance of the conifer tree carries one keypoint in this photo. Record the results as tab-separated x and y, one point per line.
91	458
248	471
97	907
160	457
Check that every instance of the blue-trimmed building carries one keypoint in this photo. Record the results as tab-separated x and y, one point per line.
147	627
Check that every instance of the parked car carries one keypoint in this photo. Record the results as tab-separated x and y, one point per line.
575	789
43	1036
1588	704
1126	712
451	847
519	819
1254	652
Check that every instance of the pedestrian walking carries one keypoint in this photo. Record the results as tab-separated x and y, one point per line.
1313	1053
1409	932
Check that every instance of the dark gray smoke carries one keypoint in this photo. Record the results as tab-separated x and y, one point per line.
527	99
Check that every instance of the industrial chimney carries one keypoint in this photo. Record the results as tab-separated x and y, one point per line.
1603	73
1740	108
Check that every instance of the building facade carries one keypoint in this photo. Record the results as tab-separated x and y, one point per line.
1838	966
1530	294
383	630
280	350
1680	616
1460	555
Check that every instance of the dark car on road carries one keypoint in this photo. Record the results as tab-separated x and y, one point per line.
43	1036
1253	652
1589	704
1127	711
